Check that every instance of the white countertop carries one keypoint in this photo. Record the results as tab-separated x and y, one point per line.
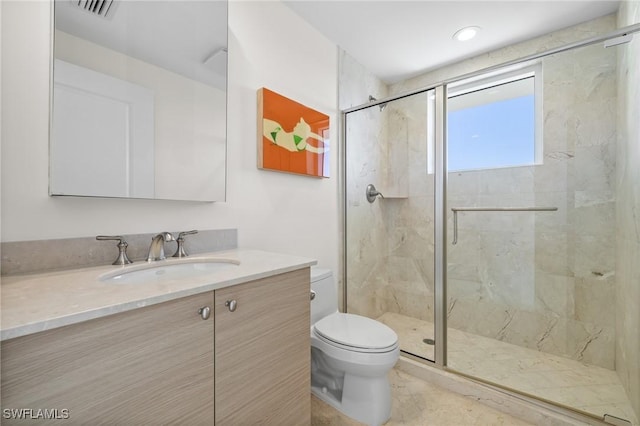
38	302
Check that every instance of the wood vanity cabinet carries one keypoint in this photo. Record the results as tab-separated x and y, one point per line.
150	365
164	364
263	352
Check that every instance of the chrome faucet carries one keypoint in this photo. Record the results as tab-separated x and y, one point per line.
156	249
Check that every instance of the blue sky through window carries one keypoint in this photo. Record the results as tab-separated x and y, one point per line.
492	135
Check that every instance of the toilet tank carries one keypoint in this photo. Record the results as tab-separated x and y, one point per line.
326	300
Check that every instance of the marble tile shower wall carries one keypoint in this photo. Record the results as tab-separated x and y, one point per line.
544	281
381	238
628	211
409	218
365	232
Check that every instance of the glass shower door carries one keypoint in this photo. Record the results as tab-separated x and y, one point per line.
531	256
390	239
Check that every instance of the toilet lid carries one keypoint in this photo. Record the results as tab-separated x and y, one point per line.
356	331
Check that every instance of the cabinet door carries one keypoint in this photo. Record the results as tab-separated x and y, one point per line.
263	352
152	365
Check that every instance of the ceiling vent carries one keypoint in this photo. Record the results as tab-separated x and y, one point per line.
96	7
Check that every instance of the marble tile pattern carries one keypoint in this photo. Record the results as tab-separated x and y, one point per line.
544	281
581	386
365	151
627	298
416	402
21	257
382	237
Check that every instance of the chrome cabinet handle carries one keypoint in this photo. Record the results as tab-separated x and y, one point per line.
312	295
205	312
231	304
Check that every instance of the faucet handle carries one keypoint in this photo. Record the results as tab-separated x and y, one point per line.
182	234
122	247
180	251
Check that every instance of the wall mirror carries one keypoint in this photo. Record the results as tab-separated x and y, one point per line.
139	99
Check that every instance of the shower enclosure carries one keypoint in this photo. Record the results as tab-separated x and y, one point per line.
492	248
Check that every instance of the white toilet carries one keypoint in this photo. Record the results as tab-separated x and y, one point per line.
350	356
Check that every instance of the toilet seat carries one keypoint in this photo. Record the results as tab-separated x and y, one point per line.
356	333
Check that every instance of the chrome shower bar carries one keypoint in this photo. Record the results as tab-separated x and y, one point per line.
455	211
504	209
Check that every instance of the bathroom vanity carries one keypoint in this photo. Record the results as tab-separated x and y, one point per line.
229	346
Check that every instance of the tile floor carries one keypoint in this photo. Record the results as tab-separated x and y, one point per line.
584	387
415	402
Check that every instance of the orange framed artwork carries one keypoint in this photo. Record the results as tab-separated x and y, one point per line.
292	138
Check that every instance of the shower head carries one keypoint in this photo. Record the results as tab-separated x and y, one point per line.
381	106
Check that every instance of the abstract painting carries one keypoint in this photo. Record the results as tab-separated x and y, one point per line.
292	138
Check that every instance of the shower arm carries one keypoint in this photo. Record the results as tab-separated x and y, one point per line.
455	211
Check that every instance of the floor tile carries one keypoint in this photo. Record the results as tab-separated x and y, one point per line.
589	388
416	402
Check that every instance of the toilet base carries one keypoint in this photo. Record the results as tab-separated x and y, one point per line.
365	399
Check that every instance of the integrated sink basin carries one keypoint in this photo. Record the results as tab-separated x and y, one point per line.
168	270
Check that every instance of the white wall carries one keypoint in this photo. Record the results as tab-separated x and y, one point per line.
268	46
272	47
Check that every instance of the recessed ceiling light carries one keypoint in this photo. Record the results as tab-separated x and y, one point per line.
466	33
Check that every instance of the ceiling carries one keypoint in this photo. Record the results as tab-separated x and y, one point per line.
396	40
186	37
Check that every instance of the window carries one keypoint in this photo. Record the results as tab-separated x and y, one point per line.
495	121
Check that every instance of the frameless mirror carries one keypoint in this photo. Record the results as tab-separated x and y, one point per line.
139	99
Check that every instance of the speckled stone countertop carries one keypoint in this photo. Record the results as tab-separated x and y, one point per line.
37	302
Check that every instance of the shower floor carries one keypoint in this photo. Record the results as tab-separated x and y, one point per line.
592	389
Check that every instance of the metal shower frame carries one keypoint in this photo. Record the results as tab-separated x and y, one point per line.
440	255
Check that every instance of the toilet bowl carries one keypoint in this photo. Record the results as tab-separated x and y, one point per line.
350	356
